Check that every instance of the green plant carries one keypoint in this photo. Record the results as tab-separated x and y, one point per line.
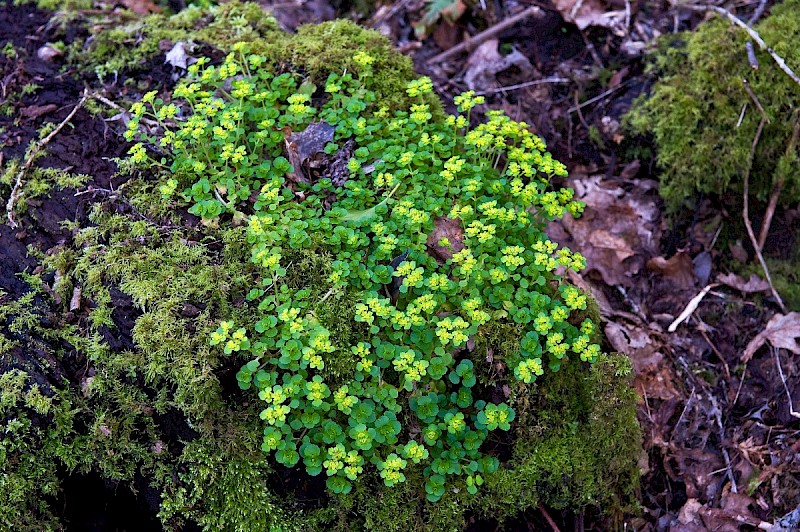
435	232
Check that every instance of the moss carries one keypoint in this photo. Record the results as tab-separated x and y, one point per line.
579	447
694	108
223	492
315	50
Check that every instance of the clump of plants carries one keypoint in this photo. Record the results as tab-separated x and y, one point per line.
704	121
434	231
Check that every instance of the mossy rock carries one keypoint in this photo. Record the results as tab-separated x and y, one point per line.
694	108
574	444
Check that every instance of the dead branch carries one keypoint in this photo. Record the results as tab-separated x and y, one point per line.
476	40
16	191
750	31
746	197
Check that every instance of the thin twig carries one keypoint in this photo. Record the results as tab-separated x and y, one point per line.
702	328
785	387
746	196
16	191
755	99
757	13
751	55
549	519
523	85
598	97
750	31
476	40
776	191
117	107
718	415
741	383
690	307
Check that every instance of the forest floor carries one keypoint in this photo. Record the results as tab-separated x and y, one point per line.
720	431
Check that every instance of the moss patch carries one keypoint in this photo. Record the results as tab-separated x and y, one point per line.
694	108
315	50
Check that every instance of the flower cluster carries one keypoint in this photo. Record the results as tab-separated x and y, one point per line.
338	401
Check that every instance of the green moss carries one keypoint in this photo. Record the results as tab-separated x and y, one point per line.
223	492
578	447
694	108
315	50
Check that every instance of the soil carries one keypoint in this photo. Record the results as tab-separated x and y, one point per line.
707	419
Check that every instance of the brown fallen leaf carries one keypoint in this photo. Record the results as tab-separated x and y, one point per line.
585	13
679	269
618	229
651	375
734	512
782	331
753	284
449	228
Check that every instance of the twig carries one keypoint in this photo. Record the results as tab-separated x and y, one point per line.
751	55
755	99
785	387
718	416
750	31
549	519
117	107
776	191
702	328
757	13
16	191
523	85
746	196
741	115
690	307
741	383
598	97
476	40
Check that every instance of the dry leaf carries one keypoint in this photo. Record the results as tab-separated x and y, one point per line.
753	284
782	331
679	269
651	375
449	228
486	62
312	140
617	231
177	56
585	13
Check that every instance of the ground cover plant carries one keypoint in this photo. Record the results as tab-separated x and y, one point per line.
432	231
